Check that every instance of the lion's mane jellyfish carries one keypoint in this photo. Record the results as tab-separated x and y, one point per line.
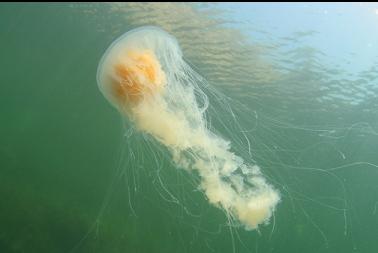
143	74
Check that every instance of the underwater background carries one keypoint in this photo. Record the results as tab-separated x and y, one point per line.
307	75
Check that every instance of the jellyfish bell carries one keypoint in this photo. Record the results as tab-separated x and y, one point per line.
131	69
144	76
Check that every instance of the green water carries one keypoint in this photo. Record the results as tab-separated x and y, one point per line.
312	124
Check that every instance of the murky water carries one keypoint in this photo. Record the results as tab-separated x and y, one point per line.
303	79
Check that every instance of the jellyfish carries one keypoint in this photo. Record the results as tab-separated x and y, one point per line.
144	76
